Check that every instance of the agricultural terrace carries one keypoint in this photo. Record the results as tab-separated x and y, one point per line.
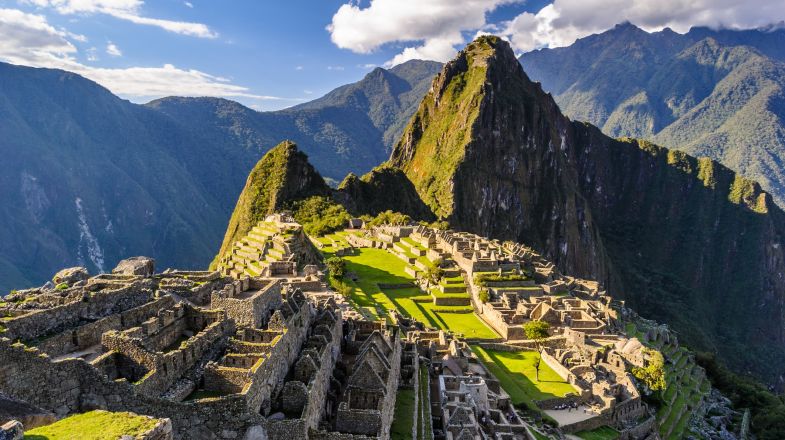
516	373
371	267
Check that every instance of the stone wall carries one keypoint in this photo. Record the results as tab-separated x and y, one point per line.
40	323
72	385
560	369
253	310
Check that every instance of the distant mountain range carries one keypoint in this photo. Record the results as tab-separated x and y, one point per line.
88	178
719	94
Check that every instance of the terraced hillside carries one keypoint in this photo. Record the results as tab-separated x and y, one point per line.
687	386
266	249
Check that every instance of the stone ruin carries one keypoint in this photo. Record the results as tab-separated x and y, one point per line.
219	357
263	349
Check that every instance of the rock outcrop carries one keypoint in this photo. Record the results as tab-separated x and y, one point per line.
71	275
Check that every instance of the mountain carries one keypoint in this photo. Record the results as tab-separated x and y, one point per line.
682	240
351	129
88	178
283	175
714	93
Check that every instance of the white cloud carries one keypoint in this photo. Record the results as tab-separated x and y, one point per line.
113	50
189	4
564	21
335	68
298	68
28	39
128	10
434	26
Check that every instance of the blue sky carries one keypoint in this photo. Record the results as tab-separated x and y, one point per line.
274	54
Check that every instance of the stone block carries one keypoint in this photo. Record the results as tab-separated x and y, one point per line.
141	266
71	275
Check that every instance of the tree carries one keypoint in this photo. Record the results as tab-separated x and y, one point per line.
434	272
336	266
653	374
537	331
484	295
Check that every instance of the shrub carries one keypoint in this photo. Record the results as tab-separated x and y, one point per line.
343	289
61	286
441	225
320	215
390	218
484	295
481	279
336	266
434	272
653	374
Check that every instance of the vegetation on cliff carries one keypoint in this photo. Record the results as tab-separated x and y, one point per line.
442	126
767	409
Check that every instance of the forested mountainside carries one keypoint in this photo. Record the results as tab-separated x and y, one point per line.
88	178
714	93
684	240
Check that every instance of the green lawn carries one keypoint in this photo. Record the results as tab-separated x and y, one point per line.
374	266
515	371
93	425
601	433
404	412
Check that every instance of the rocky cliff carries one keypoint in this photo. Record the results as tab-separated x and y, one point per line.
683	240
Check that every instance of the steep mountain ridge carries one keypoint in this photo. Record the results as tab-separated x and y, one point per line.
683	240
714	93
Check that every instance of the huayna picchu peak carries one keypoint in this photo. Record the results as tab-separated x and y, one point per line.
435	252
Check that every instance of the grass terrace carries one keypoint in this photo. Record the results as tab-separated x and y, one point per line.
94	425
377	266
516	373
331	243
403	420
601	433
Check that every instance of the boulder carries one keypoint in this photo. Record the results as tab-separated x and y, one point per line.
71	275
12	430
25	413
142	266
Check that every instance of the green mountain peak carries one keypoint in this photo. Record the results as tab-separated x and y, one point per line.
281	176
